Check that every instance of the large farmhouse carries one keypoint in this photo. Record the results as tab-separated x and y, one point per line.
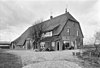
58	33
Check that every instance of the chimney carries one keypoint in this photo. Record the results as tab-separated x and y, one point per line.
51	17
66	10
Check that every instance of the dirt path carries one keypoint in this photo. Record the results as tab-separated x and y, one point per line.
30	59
53	64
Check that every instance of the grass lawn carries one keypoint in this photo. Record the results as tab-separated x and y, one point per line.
9	61
90	61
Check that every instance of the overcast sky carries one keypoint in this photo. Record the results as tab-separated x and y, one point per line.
17	15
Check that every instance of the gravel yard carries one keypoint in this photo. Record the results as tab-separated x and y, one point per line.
57	59
53	64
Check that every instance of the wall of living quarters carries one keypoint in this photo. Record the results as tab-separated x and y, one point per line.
72	34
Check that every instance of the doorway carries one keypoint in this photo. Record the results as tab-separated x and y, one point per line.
58	44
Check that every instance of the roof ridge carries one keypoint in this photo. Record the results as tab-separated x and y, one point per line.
55	17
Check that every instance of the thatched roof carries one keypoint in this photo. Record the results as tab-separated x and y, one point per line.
54	23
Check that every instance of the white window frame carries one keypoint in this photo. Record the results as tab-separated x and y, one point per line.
47	34
68	31
77	33
42	44
53	44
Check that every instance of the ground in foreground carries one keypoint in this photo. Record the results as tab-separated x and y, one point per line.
8	60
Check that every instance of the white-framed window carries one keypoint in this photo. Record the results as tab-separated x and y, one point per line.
68	31
53	44
47	34
42	45
77	33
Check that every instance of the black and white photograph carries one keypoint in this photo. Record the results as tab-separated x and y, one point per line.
49	33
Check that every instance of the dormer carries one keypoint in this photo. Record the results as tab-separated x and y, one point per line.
47	34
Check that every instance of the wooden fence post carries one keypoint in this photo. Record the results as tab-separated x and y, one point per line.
90	55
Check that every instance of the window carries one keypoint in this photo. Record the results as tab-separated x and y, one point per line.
47	34
77	33
42	45
53	44
68	31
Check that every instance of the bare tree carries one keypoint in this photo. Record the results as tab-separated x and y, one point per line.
38	30
97	39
